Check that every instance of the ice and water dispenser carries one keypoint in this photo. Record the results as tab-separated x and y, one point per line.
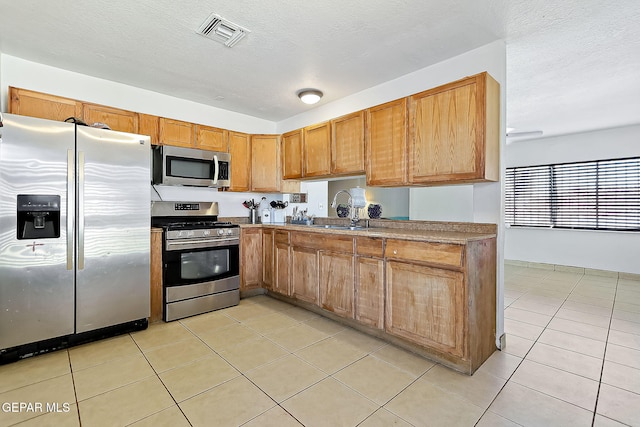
38	216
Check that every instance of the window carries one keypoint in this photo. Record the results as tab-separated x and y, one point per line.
598	195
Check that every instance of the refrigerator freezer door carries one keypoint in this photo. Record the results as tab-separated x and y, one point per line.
112	278
36	276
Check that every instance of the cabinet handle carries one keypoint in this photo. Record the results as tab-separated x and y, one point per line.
395	252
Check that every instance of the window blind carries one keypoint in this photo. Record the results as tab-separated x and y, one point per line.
597	195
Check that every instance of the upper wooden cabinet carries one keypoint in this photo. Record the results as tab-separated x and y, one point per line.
292	154
36	104
454	132
115	118
347	144
240	150
265	165
149	125
386	144
213	139
317	150
176	132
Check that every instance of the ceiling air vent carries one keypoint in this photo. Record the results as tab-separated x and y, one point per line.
221	30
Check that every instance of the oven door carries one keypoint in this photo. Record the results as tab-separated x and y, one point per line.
191	261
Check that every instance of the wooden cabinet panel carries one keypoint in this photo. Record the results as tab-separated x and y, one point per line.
292	154
115	118
212	139
454	134
336	283
426	306
304	274
250	258
155	313
369	246
428	252
267	257
36	104
176	132
240	150
149	125
265	164
386	144
281	263
347	144
369	291
317	151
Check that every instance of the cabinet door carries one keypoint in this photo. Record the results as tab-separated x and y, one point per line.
251	258
426	306
347	144
176	132
281	263
386	144
240	150
148	125
267	257
304	274
317	151
369	292
36	104
449	133
212	139
155	264
336	283
265	163
292	155
116	119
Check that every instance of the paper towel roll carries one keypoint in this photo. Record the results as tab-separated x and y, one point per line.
358	199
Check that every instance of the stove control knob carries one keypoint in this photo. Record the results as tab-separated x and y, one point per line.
220	232
191	233
206	232
229	232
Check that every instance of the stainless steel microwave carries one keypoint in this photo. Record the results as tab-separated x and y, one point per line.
189	166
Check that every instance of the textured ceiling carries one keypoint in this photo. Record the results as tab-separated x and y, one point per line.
571	66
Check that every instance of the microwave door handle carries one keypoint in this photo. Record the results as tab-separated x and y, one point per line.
216	169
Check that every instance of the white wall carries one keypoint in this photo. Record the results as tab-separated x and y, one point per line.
25	74
602	250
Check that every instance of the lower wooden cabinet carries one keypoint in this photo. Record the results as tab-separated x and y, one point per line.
437	297
281	283
369	291
155	313
426	305
336	282
267	257
250	258
304	274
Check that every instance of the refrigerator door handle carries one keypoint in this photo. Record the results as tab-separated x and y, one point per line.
70	207
80	210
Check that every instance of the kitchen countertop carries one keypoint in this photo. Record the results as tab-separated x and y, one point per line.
453	233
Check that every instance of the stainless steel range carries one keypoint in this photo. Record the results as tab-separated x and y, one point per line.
200	258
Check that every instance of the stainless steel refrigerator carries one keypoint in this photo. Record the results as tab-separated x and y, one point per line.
74	230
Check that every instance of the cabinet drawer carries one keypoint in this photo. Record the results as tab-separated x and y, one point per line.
323	242
368	246
282	237
436	253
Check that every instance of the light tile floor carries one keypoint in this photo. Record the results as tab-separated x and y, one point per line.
572	358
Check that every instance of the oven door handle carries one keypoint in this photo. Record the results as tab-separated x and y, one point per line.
177	245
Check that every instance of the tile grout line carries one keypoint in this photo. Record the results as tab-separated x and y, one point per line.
525	356
604	355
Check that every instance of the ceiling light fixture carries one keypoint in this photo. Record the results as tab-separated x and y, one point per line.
309	96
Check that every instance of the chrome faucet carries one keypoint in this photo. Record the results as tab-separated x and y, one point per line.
354	213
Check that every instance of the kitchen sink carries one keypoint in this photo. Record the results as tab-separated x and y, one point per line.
339	227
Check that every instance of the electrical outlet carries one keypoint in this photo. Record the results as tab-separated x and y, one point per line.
320	205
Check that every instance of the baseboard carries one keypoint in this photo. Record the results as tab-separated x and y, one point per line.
572	269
